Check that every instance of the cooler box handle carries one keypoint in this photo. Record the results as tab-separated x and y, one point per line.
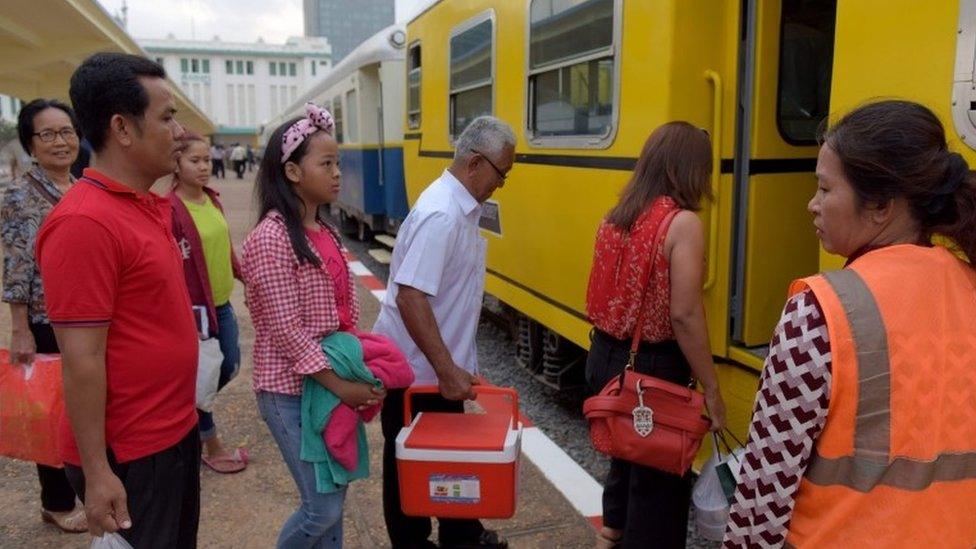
478	389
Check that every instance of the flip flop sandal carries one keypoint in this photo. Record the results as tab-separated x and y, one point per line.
71	523
229	464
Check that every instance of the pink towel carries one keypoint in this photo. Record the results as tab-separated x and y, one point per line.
388	364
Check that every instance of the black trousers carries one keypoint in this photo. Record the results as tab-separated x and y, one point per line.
239	168
56	492
218	168
163	494
412	532
650	506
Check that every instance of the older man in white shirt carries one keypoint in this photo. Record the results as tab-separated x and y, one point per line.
431	310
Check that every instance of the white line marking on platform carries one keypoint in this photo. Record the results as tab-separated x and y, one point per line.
583	491
359	269
379	294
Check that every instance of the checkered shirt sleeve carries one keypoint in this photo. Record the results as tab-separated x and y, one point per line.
292	304
789	415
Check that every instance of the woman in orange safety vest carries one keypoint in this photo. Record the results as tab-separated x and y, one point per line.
864	428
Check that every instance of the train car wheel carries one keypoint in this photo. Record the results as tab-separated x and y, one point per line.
364	232
347	225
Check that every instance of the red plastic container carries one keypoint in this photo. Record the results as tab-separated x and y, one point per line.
459	465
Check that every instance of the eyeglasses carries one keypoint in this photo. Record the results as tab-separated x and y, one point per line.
49	136
501	174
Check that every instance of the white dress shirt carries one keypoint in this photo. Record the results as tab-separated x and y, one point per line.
440	252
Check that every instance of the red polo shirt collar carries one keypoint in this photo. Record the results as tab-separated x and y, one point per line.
105	182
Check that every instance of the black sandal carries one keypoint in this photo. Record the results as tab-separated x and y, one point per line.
489	539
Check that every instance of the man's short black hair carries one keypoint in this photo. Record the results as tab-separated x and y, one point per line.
25	119
107	84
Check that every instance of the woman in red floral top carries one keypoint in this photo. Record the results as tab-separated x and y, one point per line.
634	279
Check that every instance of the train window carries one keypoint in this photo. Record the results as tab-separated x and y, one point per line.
964	83
337	115
352	119
471	72
806	58
413	86
572	71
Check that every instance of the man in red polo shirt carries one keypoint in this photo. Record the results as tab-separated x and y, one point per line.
118	303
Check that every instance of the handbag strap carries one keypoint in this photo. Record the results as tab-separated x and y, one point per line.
659	236
39	187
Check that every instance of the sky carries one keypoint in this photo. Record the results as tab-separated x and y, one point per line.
232	20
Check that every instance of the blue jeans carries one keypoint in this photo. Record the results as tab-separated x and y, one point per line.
318	522
227	334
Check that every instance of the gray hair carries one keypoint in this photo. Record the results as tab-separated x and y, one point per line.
485	134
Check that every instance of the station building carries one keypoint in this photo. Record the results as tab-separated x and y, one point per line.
241	85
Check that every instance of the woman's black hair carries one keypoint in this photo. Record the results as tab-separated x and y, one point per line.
25	119
276	192
897	149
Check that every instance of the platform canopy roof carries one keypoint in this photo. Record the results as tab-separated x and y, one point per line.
42	42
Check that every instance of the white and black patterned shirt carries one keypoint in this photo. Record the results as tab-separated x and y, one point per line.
789	415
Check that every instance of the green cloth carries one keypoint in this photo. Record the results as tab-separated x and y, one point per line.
345	353
215	238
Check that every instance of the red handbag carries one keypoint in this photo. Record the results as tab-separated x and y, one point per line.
644	419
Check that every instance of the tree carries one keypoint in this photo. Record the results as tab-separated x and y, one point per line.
8	131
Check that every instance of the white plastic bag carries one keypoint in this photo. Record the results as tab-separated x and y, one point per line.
208	373
709	498
711	506
110	541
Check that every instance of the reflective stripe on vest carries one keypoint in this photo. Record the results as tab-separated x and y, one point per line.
871	465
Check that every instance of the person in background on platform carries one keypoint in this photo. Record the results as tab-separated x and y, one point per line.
864	428
210	265
217	159
634	278
49	130
250	159
432	307
116	297
299	291
83	160
14	162
239	157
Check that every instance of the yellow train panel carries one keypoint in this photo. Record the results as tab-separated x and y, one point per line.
896	49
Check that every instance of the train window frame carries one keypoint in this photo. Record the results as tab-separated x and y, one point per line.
464	26
963	92
413	123
787	137
573	141
352	115
337	116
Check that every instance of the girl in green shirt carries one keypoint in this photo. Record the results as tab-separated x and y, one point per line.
210	266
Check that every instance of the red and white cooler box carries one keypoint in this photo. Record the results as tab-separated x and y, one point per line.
459	465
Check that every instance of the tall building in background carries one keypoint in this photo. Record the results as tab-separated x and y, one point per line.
346	23
242	85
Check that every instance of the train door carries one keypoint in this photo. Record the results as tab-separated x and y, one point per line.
785	63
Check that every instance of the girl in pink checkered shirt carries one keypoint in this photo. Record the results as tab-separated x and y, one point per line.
299	290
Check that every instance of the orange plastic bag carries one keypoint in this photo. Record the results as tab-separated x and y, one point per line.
31	403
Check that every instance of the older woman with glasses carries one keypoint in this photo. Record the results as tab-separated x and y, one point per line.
47	129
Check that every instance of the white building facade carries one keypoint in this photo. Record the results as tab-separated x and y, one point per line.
240	86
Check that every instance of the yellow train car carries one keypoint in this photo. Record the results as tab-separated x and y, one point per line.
583	82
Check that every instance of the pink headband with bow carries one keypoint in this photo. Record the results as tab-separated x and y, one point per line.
316	118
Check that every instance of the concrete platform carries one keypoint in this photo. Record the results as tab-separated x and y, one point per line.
247	510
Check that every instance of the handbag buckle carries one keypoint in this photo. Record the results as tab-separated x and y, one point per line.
643	416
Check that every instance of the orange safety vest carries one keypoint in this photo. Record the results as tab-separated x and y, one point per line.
895	465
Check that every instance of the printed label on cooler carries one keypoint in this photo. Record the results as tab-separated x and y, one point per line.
455	489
